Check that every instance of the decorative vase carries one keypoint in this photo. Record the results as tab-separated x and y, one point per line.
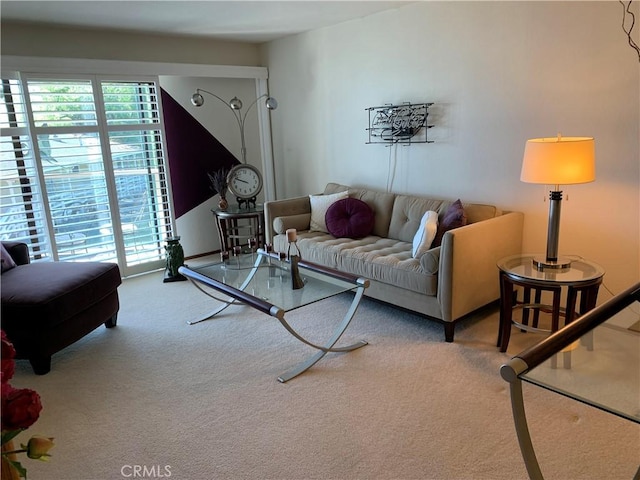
175	259
9	472
223	204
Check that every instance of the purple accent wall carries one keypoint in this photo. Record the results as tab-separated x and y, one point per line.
192	152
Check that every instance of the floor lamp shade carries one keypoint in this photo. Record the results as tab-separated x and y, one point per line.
557	161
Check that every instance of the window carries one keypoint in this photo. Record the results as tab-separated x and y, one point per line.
83	170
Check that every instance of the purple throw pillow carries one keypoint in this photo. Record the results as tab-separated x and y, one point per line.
349	218
7	261
454	217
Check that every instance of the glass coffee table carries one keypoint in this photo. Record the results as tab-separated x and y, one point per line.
601	366
263	281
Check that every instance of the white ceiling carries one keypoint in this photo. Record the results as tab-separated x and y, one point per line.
239	20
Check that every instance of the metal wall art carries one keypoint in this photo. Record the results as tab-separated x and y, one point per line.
404	123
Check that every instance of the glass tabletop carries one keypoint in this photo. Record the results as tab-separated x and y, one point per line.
271	280
580	270
234	210
606	376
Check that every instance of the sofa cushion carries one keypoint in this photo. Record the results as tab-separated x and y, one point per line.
407	213
453	218
46	293
319	206
477	212
350	218
5	258
425	234
381	259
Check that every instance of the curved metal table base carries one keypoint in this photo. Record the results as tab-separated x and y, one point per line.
302	367
225	301
328	347
509	373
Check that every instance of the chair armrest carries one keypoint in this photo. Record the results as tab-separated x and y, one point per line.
19	251
284	208
468	274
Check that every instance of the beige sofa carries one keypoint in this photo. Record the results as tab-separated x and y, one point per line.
444	284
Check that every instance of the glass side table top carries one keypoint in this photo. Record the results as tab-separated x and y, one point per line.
234	211
604	368
521	266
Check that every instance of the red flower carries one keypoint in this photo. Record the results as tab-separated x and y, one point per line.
8	365
20	408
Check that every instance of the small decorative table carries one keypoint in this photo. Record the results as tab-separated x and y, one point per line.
234	233
581	277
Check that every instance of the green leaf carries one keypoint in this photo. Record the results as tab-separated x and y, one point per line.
9	435
21	470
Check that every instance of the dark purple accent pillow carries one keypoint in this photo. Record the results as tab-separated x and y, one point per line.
6	259
454	217
349	218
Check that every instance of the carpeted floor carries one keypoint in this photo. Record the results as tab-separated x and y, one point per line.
157	398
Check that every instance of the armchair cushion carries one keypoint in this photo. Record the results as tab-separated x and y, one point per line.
58	291
5	258
19	252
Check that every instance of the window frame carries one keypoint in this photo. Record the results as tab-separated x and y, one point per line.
102	129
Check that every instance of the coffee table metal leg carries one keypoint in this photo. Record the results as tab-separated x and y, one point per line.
328	347
226	301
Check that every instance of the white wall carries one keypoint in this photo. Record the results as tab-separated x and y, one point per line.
197	228
499	73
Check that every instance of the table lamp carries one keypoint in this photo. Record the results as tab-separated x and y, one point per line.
557	161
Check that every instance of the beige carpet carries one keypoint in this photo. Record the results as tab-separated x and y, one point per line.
156	398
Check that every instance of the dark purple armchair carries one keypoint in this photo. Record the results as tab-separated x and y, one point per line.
47	306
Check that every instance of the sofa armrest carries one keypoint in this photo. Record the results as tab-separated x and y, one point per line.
300	222
19	251
284	208
430	261
468	275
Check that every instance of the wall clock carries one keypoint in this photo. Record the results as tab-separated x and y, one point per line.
245	182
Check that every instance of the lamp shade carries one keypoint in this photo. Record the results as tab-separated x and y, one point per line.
559	161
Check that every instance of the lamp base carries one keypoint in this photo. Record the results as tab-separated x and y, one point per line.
542	263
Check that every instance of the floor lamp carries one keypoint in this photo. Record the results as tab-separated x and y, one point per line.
235	105
557	161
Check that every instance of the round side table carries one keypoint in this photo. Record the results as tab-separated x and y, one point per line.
581	277
232	232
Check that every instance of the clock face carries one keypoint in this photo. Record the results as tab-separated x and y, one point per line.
244	181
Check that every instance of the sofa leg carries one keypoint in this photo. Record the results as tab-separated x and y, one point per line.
40	365
112	322
448	331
